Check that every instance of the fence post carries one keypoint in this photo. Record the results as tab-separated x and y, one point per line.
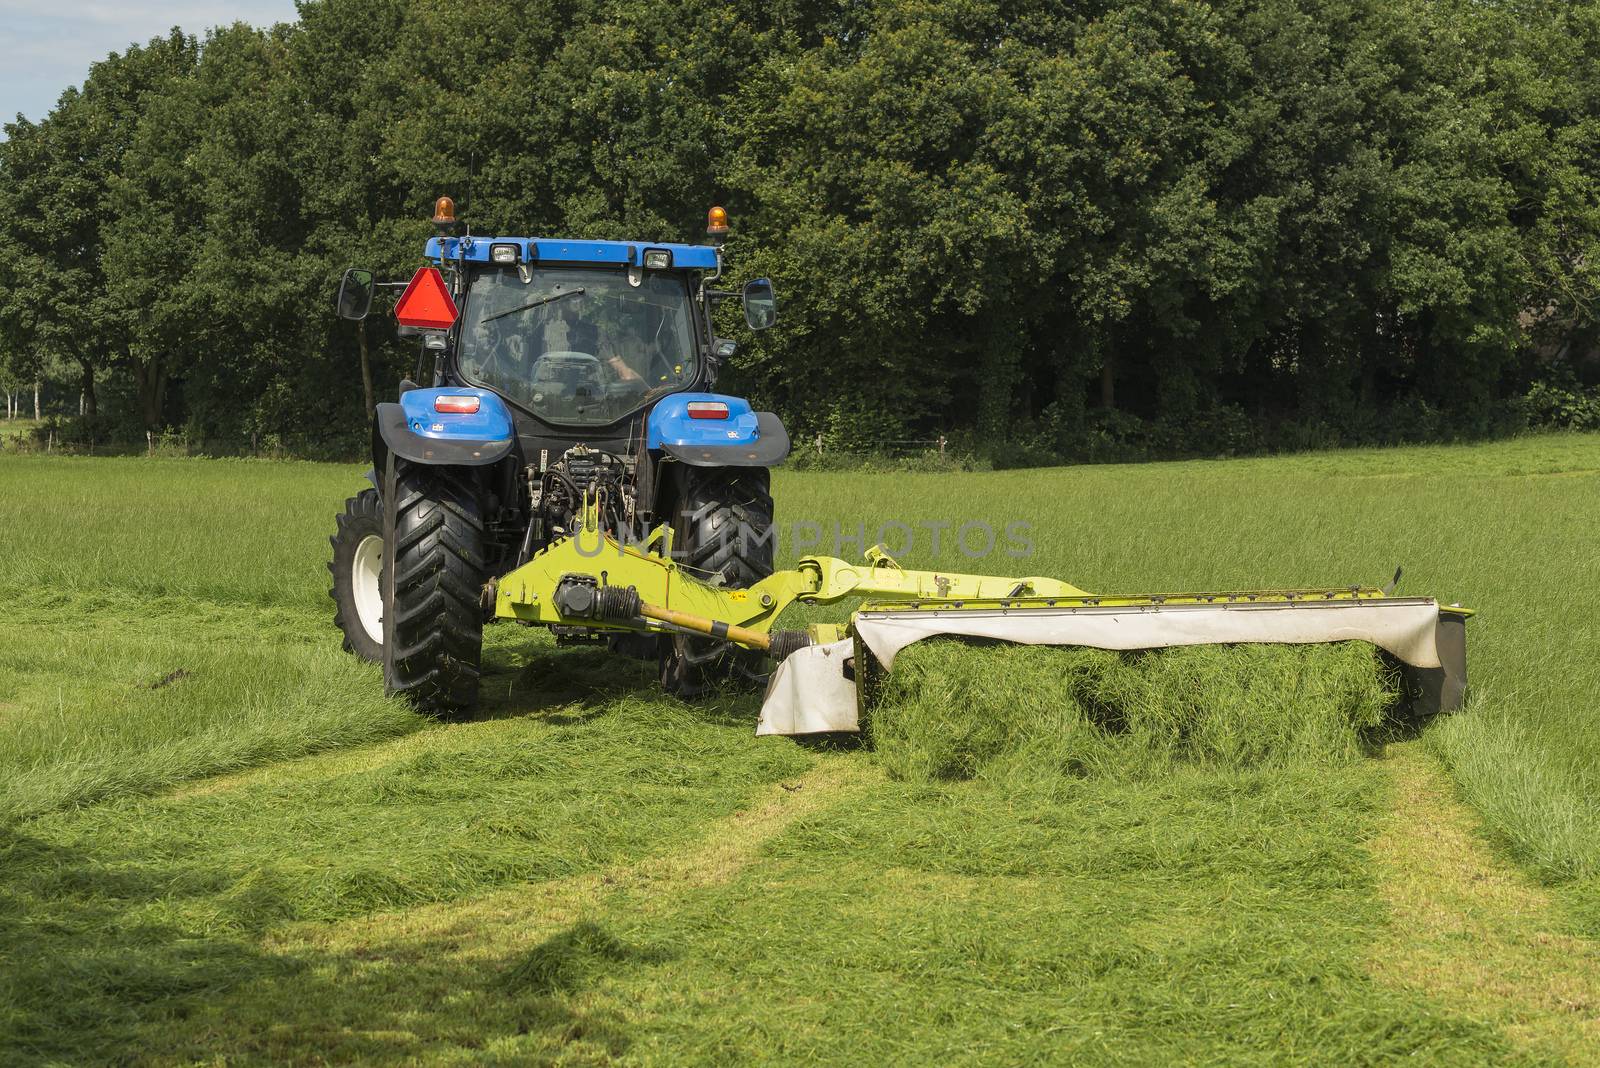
941	446
819	443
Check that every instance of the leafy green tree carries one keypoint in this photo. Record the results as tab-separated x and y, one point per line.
154	229
51	211
1088	229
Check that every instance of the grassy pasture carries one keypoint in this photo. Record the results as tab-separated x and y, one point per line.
261	859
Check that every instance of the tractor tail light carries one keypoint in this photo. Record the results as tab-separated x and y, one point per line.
707	410
457	405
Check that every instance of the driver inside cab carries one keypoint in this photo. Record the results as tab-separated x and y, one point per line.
584	337
563	355
580	346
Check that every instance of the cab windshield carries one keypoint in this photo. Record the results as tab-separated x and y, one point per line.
578	346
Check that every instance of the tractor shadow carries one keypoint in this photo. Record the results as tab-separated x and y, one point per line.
574	685
100	968
403	1001
560	685
572	959
87	955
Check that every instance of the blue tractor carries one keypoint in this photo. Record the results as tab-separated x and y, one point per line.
564	376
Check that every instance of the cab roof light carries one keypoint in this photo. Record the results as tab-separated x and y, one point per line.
444	210
717	221
658	259
456	404
707	410
504	253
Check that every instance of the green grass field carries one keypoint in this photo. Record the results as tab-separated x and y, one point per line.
219	843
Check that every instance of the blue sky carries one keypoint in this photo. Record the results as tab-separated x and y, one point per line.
51	44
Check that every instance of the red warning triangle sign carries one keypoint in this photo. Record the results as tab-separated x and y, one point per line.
426	302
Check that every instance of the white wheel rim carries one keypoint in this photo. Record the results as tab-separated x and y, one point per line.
364	587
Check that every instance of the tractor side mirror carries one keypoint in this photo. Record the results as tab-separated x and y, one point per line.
355	294
760	304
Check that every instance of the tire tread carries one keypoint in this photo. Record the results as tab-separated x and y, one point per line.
436	633
715	503
362	516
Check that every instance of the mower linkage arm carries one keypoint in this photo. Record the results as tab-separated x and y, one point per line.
829	579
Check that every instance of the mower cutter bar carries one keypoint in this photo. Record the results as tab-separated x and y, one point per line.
592	581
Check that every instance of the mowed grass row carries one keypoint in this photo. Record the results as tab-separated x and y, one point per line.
610	876
594	872
124	924
1201	918
169	619
100	700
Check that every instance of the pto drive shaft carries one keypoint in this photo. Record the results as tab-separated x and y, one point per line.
578	596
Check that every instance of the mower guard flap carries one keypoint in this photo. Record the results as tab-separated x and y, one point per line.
809	692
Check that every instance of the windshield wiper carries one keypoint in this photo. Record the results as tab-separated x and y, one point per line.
528	306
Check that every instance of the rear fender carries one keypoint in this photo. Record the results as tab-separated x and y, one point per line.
413	429
743	439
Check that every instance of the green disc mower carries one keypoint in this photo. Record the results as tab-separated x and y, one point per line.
824	676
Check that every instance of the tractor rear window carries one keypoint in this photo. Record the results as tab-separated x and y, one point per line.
578	346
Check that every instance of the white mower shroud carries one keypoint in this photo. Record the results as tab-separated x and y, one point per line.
814	691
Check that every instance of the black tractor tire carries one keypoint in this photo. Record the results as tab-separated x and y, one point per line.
357	589
434	572
721	534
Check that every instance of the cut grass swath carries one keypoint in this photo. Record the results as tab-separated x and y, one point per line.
953	710
112	703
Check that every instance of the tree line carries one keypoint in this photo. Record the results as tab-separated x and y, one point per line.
1048	229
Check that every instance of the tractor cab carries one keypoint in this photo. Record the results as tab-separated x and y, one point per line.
577	338
579	344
